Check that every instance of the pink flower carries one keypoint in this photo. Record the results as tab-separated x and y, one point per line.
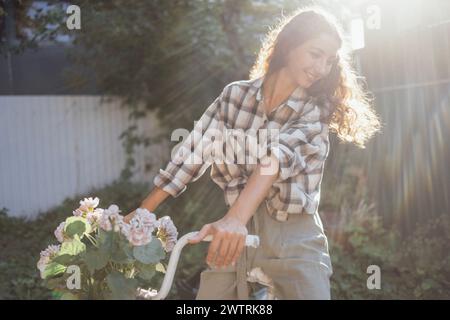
78	213
167	232
139	230
93	217
111	219
139	237
59	232
45	256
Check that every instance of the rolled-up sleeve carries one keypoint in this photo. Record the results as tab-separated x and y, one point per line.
299	148
187	164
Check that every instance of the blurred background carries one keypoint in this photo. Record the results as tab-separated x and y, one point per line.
89	112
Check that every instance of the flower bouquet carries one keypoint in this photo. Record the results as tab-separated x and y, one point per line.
102	257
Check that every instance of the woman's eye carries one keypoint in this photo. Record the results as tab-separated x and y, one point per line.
315	55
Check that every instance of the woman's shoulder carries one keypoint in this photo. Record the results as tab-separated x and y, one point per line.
240	86
243	83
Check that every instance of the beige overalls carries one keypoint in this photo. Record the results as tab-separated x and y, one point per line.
292	261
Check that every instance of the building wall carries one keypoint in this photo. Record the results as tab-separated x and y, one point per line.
53	147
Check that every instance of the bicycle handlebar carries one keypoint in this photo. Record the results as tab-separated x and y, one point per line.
250	241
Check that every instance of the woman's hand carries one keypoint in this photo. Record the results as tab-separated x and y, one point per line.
229	234
129	216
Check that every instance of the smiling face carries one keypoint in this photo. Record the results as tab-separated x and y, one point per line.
312	60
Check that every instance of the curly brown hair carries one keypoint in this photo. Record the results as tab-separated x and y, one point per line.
352	117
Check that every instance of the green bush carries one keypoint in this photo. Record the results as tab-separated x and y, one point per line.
417	267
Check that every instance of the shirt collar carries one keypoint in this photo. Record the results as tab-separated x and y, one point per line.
295	101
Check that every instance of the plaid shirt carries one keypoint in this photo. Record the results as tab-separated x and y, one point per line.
301	147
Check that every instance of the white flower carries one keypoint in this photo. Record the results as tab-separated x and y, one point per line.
146	294
139	230
59	232
86	206
89	204
45	256
110	219
167	232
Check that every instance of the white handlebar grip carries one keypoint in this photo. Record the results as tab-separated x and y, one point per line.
250	241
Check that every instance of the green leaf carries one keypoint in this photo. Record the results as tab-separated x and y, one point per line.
76	226
152	252
105	242
118	256
95	260
121	288
120	250
128	249
115	246
65	259
146	271
53	269
73	247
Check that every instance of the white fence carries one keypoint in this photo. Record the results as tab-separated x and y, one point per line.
53	147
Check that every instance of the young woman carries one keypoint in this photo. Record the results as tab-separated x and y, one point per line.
301	85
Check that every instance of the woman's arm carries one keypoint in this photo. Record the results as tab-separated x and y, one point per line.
177	174
229	232
151	202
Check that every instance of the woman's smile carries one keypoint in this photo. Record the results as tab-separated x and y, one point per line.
311	78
